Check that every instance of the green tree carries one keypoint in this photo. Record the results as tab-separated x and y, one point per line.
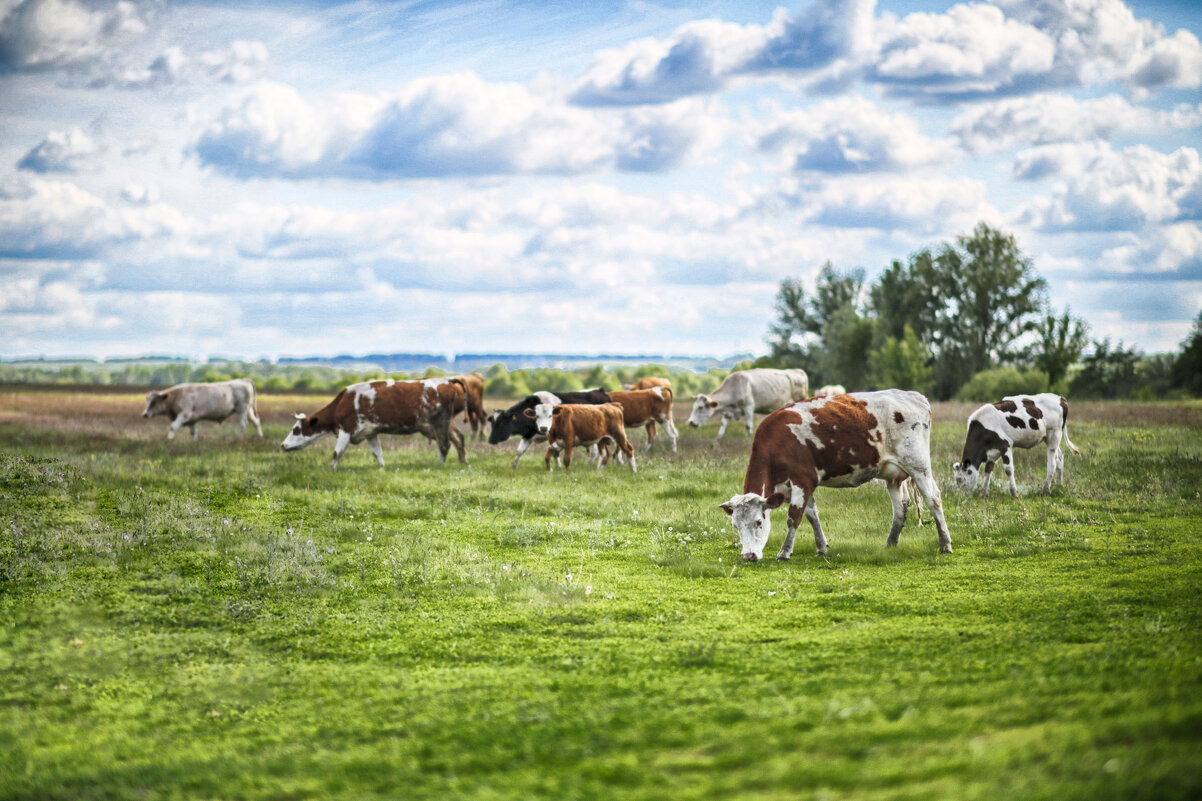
1187	369
820	333
1108	372
902	363
1061	341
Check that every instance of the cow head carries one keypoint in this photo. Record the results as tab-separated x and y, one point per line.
304	433
749	515
965	475
541	415
502	426
703	410
156	403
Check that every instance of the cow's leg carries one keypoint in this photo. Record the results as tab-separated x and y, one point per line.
987	470
241	423
786	547
929	491
819	537
670	428
722	426
344	439
1053	452
625	446
569	442
1008	466
254	418
898	500
650	436
374	444
594	453
547	457
749	417
602	447
192	428
523	446
458	442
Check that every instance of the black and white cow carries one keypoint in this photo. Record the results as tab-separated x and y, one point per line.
514	422
1017	421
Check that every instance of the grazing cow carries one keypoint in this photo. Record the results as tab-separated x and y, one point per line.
570	425
1018	421
842	441
747	392
646	407
187	404
364	411
473	391
513	421
830	390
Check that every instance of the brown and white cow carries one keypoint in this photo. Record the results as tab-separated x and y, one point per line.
651	382
747	392
188	404
829	390
571	425
646	407
1017	421
473	391
365	410
837	442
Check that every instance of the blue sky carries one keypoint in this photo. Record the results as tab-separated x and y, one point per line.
263	179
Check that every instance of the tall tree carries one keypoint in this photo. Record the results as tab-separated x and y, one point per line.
1061	342
1187	369
817	332
902	363
1108	372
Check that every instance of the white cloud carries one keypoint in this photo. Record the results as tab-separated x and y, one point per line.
1053	118
243	61
1107	190
62	151
456	125
851	135
53	34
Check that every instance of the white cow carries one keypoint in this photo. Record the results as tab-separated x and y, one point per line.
747	392
830	390
1017	421
187	404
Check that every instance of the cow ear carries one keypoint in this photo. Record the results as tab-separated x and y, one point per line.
726	507
530	413
313	421
712	404
556	411
775	500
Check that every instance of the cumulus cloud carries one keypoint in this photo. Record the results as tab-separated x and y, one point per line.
1107	190
38	35
928	205
824	43
61	151
1052	118
243	61
851	135
455	125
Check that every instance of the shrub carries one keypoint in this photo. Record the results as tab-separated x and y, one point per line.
990	385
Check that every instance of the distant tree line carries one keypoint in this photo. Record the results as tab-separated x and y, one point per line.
270	377
968	319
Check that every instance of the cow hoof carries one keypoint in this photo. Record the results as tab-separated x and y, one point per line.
945	549
783	557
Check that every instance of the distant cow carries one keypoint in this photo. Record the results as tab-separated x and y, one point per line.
187	404
646	407
1018	421
830	390
513	422
473	390
365	410
747	392
573	425
842	441
651	382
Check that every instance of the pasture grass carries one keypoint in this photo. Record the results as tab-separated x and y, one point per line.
223	620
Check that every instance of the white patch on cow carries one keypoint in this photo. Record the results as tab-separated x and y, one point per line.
542	416
659	393
749	514
296	440
804	431
547	397
434	382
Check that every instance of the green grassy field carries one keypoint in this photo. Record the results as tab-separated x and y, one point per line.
223	620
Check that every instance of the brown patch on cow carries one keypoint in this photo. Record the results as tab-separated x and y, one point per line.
1006	406
979	442
1063	412
1016	422
898	417
845	430
1032	409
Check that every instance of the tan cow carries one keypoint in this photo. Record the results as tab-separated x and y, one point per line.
579	425
188	404
473	389
365	410
651	382
646	407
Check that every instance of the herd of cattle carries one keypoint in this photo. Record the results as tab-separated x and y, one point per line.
829	439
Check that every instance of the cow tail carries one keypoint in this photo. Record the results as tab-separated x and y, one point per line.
1064	427
467	402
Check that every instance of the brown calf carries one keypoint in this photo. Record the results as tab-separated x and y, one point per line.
583	425
646	407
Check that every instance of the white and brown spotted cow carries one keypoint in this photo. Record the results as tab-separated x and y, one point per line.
646	407
1017	421
188	404
837	442
748	392
570	425
365	410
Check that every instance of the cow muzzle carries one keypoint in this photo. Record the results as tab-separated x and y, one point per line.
750	557
543	430
694	425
